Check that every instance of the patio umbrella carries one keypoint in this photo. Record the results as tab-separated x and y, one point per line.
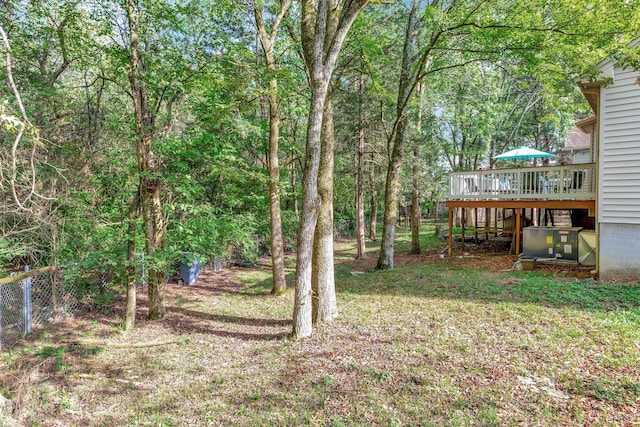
522	153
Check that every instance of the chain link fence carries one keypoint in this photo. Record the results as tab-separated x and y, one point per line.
35	298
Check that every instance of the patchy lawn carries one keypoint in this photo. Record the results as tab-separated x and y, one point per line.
461	341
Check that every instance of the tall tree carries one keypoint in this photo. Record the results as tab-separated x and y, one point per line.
324	27
416	216
361	249
401	124
267	40
150	182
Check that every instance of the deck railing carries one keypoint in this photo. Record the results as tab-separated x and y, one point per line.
569	182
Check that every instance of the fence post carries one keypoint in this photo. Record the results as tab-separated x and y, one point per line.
53	278
27	303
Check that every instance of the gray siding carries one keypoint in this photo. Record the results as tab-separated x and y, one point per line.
619	188
619	252
582	156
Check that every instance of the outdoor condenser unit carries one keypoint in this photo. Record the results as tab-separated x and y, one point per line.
566	245
551	242
538	242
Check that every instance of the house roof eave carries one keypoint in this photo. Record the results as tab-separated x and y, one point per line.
585	124
591	91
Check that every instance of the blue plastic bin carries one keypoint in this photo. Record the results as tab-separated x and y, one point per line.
190	270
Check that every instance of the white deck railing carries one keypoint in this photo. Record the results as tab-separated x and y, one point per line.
570	182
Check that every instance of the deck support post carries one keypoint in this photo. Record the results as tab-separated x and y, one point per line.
450	231
462	219
516	206
475	220
518	213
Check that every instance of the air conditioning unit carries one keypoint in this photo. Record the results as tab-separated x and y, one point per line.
566	243
551	242
538	242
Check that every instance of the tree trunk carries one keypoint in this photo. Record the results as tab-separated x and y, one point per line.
294	184
390	220
130	271
324	27
277	246
373	202
415	202
302	314
149	180
416	218
361	252
325	307
153	227
385	259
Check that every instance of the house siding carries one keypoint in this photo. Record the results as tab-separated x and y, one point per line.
619	252
582	156
619	189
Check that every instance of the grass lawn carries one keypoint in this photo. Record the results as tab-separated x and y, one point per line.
434	342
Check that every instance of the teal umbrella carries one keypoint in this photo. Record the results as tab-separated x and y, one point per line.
522	153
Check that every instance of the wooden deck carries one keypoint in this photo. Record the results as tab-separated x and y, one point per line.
572	182
548	187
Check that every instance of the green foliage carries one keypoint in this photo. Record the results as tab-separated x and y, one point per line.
48	351
217	195
9	250
210	234
626	391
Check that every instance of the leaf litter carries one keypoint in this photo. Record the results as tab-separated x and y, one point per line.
429	352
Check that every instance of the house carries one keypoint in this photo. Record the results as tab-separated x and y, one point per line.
603	182
578	147
615	100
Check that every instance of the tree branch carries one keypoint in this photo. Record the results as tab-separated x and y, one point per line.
14	88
